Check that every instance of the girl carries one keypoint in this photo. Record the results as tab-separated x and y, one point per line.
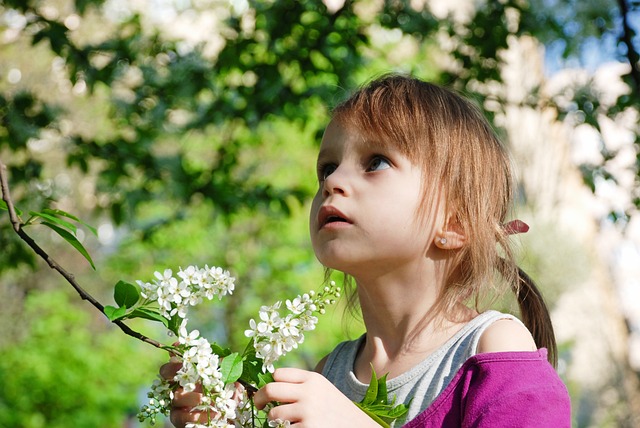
414	189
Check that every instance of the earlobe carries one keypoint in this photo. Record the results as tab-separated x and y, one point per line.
451	237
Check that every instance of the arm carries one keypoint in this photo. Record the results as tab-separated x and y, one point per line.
506	335
513	390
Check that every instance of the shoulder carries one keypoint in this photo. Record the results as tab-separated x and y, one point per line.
505	335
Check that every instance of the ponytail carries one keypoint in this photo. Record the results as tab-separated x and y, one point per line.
533	309
535	315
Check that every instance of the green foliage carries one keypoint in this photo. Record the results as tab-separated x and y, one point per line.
375	402
60	375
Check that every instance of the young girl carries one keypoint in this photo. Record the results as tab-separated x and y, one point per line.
414	190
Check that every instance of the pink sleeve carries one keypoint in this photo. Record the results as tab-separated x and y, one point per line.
509	391
501	390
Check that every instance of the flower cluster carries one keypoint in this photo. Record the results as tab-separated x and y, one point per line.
208	368
274	335
200	366
193	285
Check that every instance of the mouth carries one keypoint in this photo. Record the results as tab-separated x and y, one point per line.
331	215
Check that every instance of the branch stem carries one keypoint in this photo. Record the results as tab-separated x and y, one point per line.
84	295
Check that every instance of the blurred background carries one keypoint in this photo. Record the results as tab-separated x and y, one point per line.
185	132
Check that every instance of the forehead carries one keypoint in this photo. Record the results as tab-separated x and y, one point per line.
338	136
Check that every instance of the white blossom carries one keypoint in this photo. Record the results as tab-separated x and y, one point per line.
272	335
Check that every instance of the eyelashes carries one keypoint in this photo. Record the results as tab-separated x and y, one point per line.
378	163
374	163
325	170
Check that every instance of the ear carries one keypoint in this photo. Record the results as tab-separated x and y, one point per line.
451	235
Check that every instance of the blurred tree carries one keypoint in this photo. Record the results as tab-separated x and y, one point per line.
59	375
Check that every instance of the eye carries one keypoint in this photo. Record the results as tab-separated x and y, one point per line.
378	163
325	170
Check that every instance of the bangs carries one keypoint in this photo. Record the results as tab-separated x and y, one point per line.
387	118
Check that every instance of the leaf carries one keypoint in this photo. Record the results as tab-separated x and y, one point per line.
231	368
376	402
382	395
372	391
220	351
56	220
71	240
174	324
71	216
126	294
149	315
3	206
372	415
252	369
114	313
264	378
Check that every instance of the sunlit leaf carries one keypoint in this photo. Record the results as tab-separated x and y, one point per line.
3	206
114	313
71	240
53	219
61	213
372	391
231	368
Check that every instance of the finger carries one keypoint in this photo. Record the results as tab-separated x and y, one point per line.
291	375
169	370
180	417
186	399
282	392
286	412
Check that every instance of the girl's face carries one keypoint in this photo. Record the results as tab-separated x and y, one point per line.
364	217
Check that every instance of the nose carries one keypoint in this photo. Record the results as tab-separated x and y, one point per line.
337	183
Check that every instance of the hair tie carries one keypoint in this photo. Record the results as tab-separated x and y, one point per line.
515	226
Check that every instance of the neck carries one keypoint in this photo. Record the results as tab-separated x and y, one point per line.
402	319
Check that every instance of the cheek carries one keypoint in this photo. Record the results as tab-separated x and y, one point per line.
313	214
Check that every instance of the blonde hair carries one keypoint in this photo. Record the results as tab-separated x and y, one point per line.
462	159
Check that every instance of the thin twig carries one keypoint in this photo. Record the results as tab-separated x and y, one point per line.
17	227
627	38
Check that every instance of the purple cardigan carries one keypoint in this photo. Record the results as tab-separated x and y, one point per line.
500	390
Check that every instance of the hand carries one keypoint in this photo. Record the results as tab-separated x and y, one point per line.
183	402
309	400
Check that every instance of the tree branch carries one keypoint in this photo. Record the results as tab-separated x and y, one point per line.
627	38
18	228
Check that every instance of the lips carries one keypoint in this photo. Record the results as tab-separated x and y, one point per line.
329	215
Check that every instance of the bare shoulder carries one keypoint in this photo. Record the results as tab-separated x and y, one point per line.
506	335
320	366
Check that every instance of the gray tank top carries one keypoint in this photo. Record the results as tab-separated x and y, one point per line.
423	382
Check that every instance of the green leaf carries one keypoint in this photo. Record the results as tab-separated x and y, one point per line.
372	391
264	378
220	351
60	213
149	315
56	220
126	294
3	206
231	368
252	368
382	396
71	240
114	313
372	415
376	402
174	324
